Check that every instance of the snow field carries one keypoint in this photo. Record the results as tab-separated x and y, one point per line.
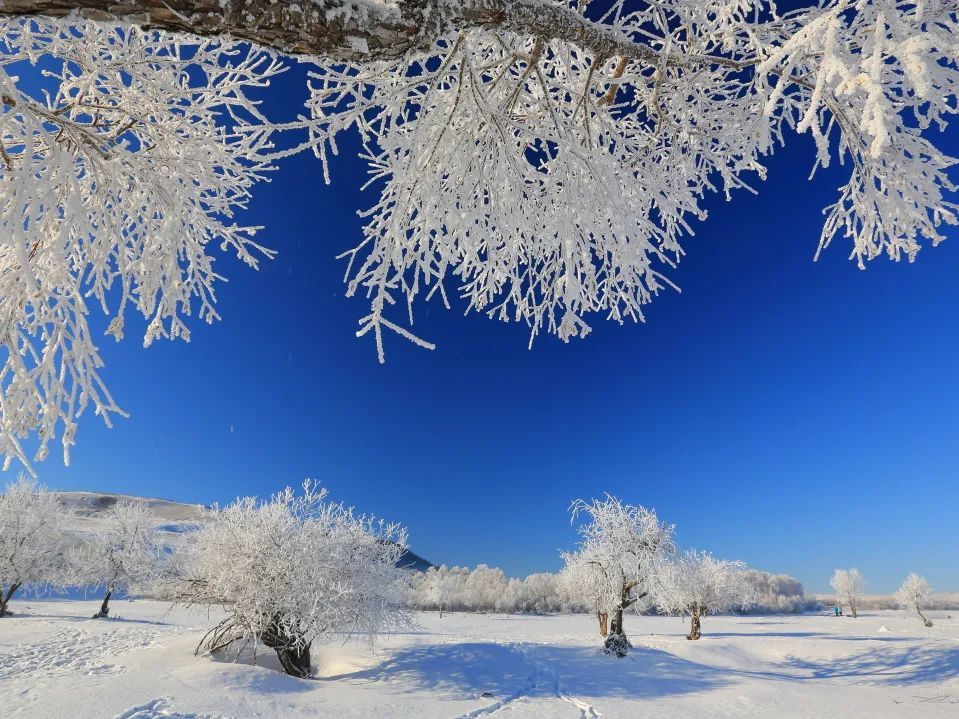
54	662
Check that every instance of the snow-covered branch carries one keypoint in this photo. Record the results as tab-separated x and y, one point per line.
537	161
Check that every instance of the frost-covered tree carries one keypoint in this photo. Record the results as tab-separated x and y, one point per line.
776	593
697	584
848	585
293	569
33	538
583	582
914	594
121	555
483	586
434	588
540	592
629	548
518	147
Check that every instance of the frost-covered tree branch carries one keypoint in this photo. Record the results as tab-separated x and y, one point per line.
517	148
112	186
347	30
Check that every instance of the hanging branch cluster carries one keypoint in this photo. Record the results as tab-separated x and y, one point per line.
541	159
547	180
129	157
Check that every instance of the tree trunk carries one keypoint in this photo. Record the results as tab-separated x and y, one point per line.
296	662
852	608
617	642
293	652
603	624
329	29
922	616
5	598
617	624
105	607
695	628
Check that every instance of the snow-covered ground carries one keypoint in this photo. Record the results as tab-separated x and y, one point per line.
54	662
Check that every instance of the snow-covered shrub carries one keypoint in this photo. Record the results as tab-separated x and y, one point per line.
914	594
848	585
123	554
293	569
630	546
697	584
33	538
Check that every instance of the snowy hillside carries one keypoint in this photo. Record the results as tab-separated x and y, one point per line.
175	518
88	509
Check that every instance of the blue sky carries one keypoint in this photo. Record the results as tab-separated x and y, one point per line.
797	415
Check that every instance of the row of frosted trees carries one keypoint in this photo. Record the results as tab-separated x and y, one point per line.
913	593
297	567
286	571
37	546
627	559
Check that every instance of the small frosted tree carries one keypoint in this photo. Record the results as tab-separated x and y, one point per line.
123	554
914	594
484	585
32	538
293	569
697	584
540	591
583	582
435	588
848	585
628	546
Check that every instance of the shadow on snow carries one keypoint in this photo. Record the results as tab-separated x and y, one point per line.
505	669
885	665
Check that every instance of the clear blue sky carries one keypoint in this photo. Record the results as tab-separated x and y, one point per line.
797	415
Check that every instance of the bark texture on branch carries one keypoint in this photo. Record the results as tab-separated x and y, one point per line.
340	29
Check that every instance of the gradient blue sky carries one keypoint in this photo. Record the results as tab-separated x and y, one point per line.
797	415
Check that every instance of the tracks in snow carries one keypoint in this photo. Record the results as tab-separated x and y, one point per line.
543	684
75	651
160	709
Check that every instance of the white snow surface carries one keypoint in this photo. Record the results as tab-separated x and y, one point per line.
54	662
